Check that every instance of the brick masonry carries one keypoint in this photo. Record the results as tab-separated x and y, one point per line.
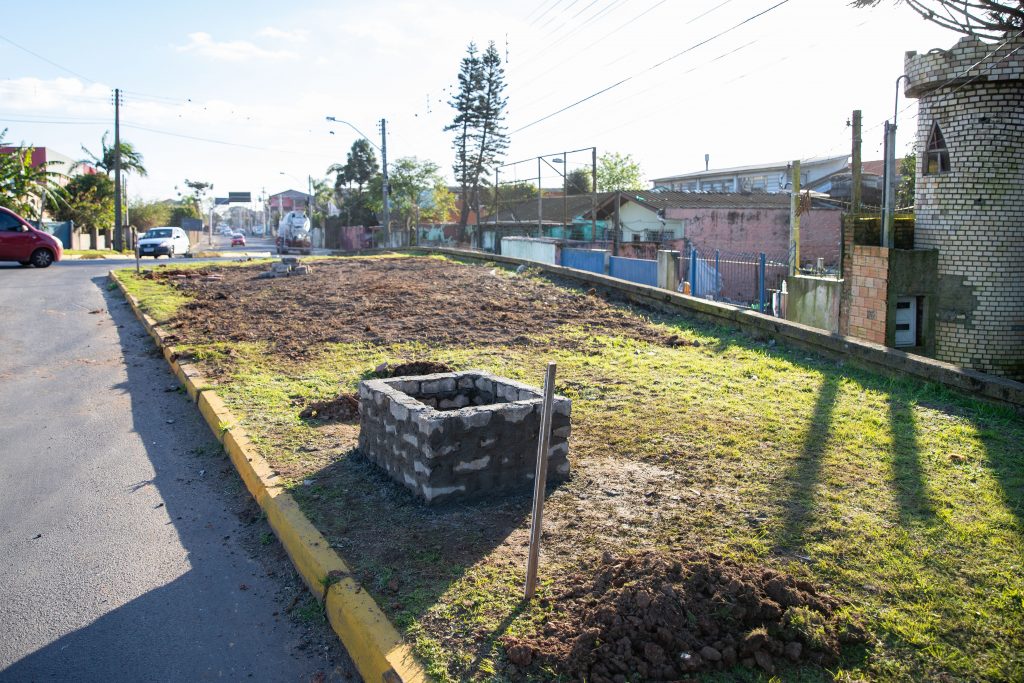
868	281
974	214
460	435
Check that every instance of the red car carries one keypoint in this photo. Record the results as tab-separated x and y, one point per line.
20	242
238	240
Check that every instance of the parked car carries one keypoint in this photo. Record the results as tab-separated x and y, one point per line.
20	242
238	240
165	241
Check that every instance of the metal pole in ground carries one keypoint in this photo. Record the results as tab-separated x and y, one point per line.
540	482
717	289
760	280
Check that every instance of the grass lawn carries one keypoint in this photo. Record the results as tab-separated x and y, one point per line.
901	498
97	253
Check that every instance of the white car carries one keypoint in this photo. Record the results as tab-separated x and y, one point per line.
167	241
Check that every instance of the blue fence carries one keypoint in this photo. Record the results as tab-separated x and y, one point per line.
641	271
584	259
60	230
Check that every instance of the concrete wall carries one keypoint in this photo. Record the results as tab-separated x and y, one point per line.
974	214
875	357
814	301
636	220
913	273
542	251
752	231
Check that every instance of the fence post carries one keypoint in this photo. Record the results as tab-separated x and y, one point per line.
760	280
693	271
716	288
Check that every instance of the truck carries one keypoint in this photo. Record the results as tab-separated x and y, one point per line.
293	234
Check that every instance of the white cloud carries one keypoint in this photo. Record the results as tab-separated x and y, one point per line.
294	36
231	50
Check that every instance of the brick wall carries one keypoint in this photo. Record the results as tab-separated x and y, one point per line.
974	214
868	280
755	230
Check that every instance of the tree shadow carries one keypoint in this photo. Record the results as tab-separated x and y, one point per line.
804	474
1004	456
915	505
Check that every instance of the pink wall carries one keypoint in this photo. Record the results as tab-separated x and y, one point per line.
756	230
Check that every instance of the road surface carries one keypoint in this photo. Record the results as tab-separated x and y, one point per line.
131	551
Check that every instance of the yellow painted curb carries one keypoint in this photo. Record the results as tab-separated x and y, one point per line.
376	647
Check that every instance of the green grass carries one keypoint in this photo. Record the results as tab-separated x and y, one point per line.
96	253
902	498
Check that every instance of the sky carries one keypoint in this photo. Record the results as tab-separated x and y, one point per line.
237	93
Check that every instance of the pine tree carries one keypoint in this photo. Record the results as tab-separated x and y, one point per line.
480	134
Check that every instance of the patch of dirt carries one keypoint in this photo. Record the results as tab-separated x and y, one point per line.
414	368
344	408
668	617
387	301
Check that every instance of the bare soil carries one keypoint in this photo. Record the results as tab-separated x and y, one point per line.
667	617
386	301
343	408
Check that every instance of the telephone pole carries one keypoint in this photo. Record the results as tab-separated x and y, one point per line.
384	164
856	163
118	237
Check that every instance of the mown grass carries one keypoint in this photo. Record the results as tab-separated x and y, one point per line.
96	253
903	498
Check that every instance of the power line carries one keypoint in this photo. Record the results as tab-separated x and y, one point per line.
45	59
655	66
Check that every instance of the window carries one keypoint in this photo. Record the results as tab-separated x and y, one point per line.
9	223
936	156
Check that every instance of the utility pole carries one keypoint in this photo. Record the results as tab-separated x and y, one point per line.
615	235
540	202
384	162
856	163
118	237
593	194
565	195
794	221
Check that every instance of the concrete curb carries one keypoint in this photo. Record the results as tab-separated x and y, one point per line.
376	647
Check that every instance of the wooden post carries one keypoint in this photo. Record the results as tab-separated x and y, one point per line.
540	482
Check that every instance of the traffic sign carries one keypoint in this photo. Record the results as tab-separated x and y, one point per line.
239	197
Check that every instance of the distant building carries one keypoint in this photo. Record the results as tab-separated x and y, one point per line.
775	177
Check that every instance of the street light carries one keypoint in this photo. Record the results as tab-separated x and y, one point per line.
383	149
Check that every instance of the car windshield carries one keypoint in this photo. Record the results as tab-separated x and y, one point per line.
159	232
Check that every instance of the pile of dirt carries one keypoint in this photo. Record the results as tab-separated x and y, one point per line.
390	301
667	617
344	408
419	367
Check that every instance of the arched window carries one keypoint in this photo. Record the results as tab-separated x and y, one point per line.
936	156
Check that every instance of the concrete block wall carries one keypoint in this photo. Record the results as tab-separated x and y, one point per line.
814	301
974	214
542	251
459	435
867	281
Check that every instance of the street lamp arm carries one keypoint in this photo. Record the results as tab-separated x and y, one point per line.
365	136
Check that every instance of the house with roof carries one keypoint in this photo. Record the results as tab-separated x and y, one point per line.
772	177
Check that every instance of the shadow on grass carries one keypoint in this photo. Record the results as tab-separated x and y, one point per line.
405	553
915	505
805	472
1001	435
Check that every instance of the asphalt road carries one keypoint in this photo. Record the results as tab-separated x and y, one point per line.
130	550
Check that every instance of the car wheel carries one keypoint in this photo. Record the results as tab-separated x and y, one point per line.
41	258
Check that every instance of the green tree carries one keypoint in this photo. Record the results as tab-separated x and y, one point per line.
579	181
907	187
194	202
993	19
412	182
27	188
90	203
441	204
146	215
323	195
359	169
617	172
480	134
131	158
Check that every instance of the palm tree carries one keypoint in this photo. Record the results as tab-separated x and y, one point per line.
21	182
131	159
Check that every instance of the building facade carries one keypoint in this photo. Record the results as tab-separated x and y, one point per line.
970	198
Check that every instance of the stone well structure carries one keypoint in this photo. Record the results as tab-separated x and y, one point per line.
970	197
459	435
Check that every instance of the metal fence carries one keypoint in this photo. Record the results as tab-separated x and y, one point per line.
739	278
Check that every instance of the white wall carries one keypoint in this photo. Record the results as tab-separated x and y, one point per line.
636	219
530	249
